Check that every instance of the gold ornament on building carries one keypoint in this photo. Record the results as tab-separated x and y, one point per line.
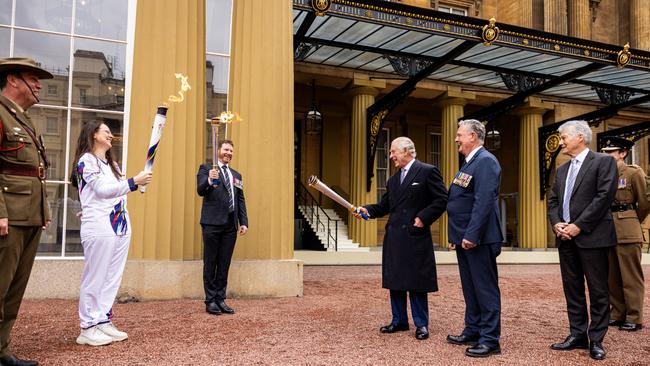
624	56
553	143
321	6
490	32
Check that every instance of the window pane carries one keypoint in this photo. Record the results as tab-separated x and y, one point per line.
113	121
72	237
5	37
51	52
53	15
105	19
52	237
51	123
216	77
217	25
5	14
98	80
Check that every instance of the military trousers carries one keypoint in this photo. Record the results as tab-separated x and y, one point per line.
626	286
17	252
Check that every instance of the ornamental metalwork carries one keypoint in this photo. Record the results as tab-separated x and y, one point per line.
490	32
633	133
407	66
624	56
612	96
302	51
321	6
520	82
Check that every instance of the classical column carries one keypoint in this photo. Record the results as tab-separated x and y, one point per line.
555	16
526	13
452	104
363	92
532	209
640	24
164	219
579	19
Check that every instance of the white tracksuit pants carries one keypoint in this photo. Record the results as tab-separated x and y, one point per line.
104	261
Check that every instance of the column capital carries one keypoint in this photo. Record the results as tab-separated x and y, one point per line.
454	96
361	84
533	105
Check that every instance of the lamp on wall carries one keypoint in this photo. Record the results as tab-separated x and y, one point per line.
493	139
313	118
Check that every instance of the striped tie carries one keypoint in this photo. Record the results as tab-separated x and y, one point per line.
571	179
226	184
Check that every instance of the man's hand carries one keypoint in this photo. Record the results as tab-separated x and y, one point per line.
213	174
4	226
558	229
468	244
357	213
452	246
418	222
47	224
572	230
243	230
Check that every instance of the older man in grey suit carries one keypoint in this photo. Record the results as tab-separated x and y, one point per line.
579	211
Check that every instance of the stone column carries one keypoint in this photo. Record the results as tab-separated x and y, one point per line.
526	13
579	19
164	219
640	24
532	210
452	104
555	16
363	92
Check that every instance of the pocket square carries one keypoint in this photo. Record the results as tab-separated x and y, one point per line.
415	183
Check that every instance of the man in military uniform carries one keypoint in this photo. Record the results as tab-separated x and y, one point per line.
23	207
629	209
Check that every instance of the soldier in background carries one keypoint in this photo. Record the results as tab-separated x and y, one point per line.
629	209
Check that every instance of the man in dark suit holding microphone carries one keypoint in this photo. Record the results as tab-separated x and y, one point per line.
579	211
223	211
475	233
415	197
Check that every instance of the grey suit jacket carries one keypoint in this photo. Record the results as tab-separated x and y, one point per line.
593	194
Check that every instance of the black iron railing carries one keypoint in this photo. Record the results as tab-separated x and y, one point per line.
318	217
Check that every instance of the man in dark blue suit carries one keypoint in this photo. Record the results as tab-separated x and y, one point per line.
223	211
475	233
415	197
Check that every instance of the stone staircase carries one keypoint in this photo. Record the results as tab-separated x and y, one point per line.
319	226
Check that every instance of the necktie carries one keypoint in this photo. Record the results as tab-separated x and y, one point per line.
226	184
402	175
571	179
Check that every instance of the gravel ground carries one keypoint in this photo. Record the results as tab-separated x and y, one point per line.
335	323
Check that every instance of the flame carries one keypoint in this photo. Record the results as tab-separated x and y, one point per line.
185	86
227	117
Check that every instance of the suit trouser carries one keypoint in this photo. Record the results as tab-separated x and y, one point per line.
104	262
218	246
419	307
17	252
576	264
626	283
479	278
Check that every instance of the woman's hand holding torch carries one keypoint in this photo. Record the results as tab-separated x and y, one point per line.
143	178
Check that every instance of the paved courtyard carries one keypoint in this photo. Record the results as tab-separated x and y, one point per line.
335	323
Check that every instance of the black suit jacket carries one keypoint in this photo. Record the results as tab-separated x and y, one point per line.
215	199
593	193
408	262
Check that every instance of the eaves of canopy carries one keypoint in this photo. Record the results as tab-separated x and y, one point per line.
418	43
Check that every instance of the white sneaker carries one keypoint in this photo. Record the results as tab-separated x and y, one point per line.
93	337
110	330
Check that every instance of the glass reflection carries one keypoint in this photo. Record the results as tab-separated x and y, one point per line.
216	98
5	14
73	224
52	15
52	237
51	123
217	24
99	74
105	19
51	52
5	36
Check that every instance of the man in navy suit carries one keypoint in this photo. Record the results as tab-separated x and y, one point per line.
415	197
223	210
579	209
475	233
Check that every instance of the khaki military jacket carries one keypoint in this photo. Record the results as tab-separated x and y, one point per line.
22	198
631	190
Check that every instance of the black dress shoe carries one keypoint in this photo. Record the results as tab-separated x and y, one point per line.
481	350
596	351
213	308
225	308
630	327
421	333
570	343
392	328
13	361
462	340
615	323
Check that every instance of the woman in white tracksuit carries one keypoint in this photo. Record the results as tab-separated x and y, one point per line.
105	231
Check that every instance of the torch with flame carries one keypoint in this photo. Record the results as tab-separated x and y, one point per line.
159	123
224	117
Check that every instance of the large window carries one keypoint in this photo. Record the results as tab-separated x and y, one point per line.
218	16
434	149
83	43
382	157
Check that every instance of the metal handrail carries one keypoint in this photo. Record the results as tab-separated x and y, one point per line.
318	216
